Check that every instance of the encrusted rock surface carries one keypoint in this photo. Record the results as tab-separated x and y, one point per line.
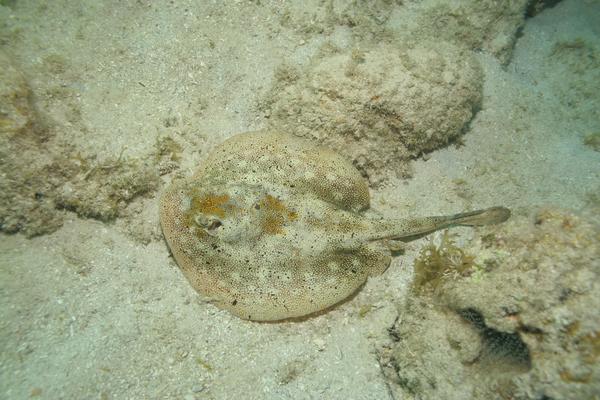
380	107
520	322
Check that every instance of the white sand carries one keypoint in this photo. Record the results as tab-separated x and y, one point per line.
90	313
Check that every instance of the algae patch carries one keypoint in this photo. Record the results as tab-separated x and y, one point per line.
592	141
105	188
439	262
44	174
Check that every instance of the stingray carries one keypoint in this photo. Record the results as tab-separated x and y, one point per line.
272	227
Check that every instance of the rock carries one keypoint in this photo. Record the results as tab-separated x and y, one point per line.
380	107
532	296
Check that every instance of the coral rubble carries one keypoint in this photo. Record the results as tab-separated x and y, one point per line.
521	322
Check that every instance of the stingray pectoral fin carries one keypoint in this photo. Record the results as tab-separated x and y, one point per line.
488	216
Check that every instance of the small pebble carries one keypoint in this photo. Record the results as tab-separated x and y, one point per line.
320	343
197	389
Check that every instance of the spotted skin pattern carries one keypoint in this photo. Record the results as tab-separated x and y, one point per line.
272	227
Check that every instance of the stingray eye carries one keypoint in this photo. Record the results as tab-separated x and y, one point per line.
214	224
210	223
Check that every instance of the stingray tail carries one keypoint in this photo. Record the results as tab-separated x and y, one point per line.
489	216
417	228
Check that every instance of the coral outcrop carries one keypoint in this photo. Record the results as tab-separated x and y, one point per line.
517	320
42	174
380	107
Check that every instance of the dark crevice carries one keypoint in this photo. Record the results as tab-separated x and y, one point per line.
499	348
536	6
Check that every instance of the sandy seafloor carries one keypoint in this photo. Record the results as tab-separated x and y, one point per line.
131	327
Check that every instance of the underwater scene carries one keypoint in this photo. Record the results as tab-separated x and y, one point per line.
320	199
